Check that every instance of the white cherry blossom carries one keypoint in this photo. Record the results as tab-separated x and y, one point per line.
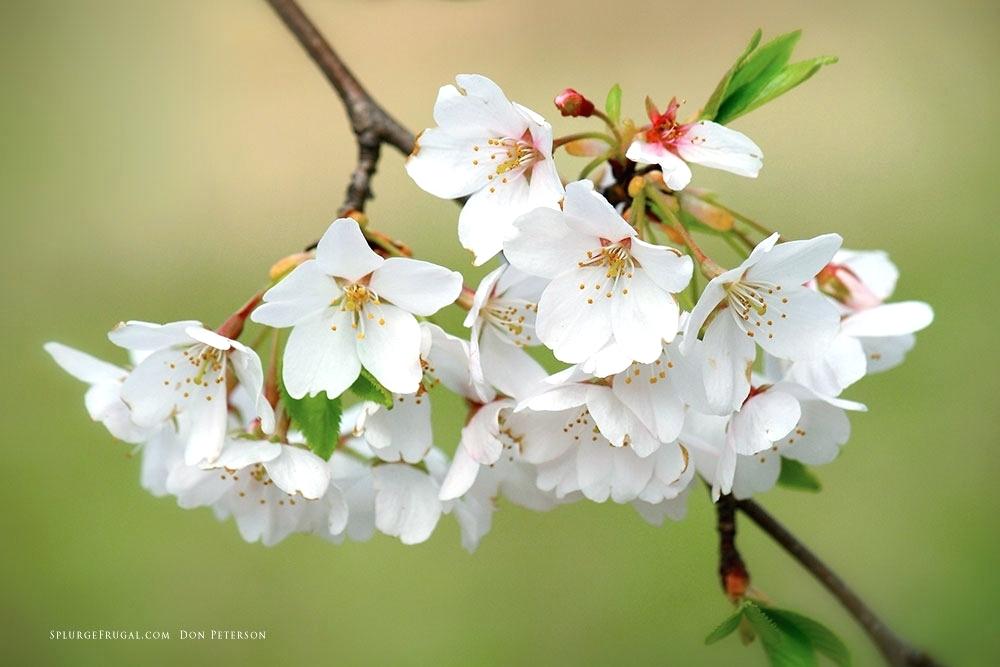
103	398
606	285
350	308
762	302
497	152
671	145
502	319
185	373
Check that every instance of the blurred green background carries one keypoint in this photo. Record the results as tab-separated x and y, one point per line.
158	156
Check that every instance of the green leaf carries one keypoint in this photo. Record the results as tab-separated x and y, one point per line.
784	644
763	65
318	417
820	637
796	476
789	77
712	106
367	388
613	104
726	628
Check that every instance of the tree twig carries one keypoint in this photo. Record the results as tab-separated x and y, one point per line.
732	570
372	127
894	649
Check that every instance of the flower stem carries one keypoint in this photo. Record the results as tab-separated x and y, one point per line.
708	266
562	141
611	126
595	163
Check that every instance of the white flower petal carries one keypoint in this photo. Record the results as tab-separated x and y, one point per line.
84	367
446	164
506	366
461	476
671	272
727	355
589	213
712	145
302	293
643	318
419	287
544	245
891	319
320	355
797	323
406	502
764	419
403	433
488	216
795	262
676	172
390	349
344	252
574	319
147	336
246	364
297	471
818	436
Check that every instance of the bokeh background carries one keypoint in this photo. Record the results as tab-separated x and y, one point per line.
158	156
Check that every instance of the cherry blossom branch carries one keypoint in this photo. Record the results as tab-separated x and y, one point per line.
373	126
894	649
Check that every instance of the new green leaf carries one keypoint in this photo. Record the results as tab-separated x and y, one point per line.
820	637
726	628
367	388
318	417
795	475
789	77
613	104
712	106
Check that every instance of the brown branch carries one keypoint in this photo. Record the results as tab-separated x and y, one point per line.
894	649
372	127
732	570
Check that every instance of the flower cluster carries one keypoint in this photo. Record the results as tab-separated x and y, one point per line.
735	379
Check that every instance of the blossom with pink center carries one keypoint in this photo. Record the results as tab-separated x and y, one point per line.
672	145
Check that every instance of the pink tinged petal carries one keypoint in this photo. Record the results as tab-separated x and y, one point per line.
671	272
508	367
727	355
832	369
304	292
676	172
82	366
544	245
147	336
817	438
416	286
461	476
756	474
711	296
643	317
885	353
574	314
795	262
344	252
297	471
719	147
891	319
873	268
403	433
246	364
764	419
321	355
390	349
589	213
797	323
446	164
406	502
488	216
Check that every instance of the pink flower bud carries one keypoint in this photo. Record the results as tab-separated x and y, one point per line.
571	103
